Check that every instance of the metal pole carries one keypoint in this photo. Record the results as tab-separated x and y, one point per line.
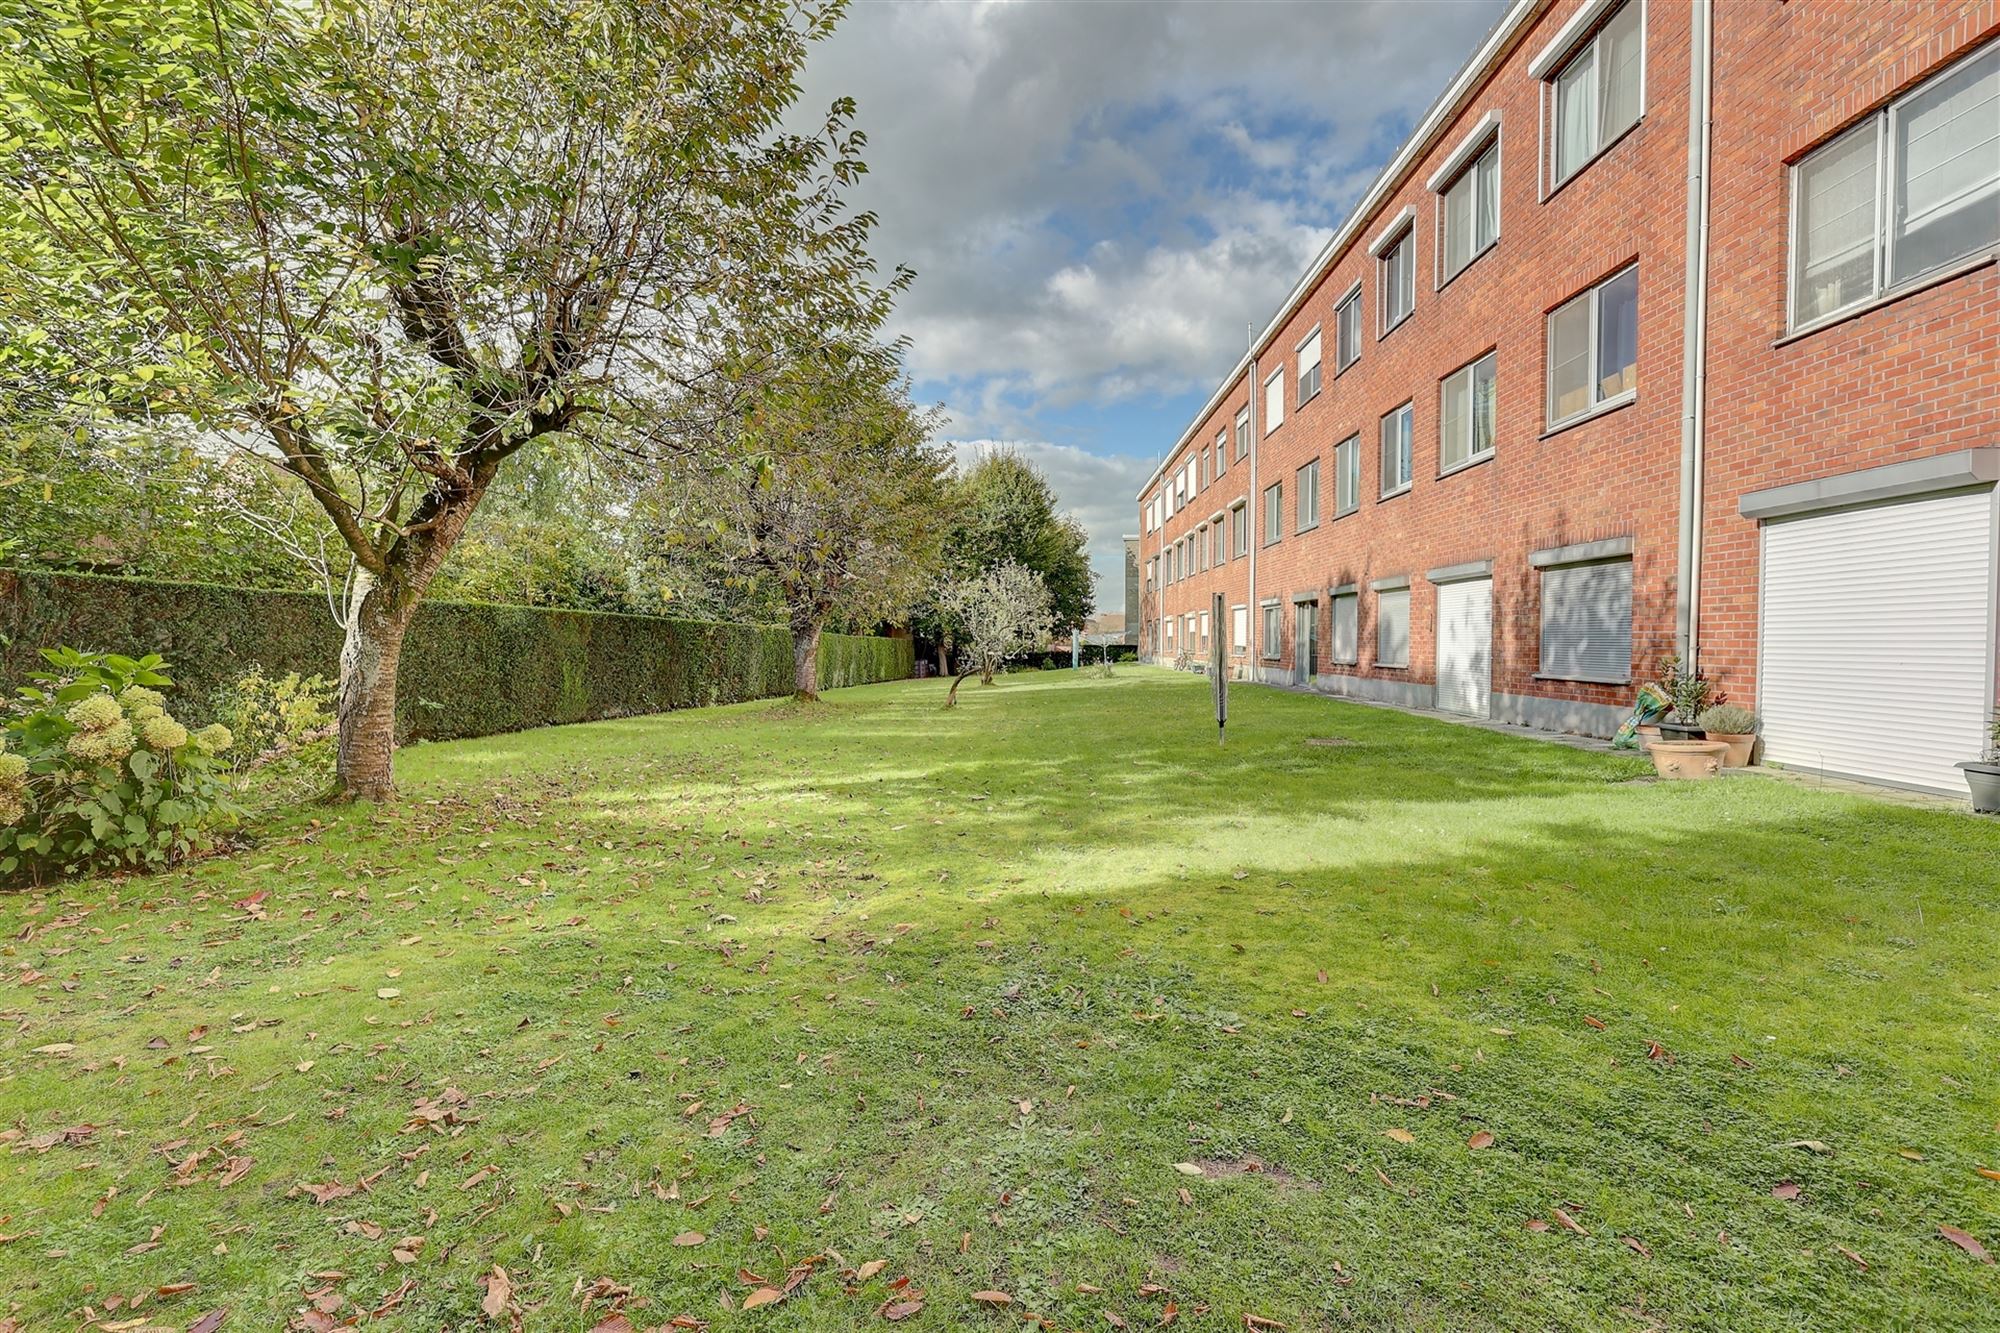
1218	657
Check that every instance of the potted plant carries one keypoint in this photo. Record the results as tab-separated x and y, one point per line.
1983	775
1690	694
1736	727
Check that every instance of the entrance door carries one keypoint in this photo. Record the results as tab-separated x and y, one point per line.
1465	647
1305	662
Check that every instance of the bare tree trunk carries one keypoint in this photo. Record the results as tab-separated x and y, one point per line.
944	667
367	700
951	698
805	663
986	673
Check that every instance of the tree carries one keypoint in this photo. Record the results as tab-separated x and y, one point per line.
1002	611
385	247
836	499
1004	509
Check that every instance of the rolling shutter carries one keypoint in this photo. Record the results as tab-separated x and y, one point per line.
1876	640
1587	621
1346	629
1465	646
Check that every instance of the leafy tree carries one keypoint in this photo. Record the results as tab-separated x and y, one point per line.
388	247
836	499
1005	510
1002	611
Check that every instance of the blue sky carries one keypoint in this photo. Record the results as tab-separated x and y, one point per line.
1099	195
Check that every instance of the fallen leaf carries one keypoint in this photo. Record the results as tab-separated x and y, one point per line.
1637	1246
387	993
1812	1145
1187	1168
1399	1135
209	1322
1965	1242
897	1311
1480	1140
870	1269
1987	1171
499	1293
616	1323
761	1297
690	1238
1535	1224
1858	1260
1784	1189
1569	1223
992	1298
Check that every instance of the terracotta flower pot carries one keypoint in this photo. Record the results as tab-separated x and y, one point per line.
1687	760
1650	730
1741	748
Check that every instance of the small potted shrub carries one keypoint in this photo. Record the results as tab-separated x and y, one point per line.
1691	694
1736	727
1983	775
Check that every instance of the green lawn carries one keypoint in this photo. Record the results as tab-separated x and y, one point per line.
1046	995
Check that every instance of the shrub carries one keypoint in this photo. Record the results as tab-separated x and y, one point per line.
1729	720
95	774
1690	692
284	730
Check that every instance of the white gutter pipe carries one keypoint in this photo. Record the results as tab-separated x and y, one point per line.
1694	343
1251	531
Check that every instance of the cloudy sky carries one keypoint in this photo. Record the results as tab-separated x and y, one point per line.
1099	196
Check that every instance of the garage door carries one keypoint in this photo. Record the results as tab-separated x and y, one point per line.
1877	653
1465	646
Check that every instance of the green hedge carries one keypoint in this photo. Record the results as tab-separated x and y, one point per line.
468	669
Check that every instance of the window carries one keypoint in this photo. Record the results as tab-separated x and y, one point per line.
1274	512
1239	531
1170	633
1472	212
1346	475
1221	452
1906	192
1399	279
1274	400
1347	331
1392	628
1597	94
1220	551
1465	414
1204	631
1172	552
1308	498
1239	628
1396	461
1206	475
1309	368
1243	433
1587	621
1273	631
1346	644
1594	347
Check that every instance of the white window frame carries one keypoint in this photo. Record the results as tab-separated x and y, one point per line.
1467	372
1306	483
1221	452
1309	374
1882	122
1592	294
1352	444
1410	445
1272	616
1352	298
1239	624
1481	150
1402	593
1274	513
1242	433
1582	33
1239	529
1352	597
1218	525
1274	400
1406	236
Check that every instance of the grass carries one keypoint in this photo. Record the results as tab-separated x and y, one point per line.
989	988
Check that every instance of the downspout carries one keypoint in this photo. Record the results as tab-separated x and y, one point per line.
1694	343
1253	668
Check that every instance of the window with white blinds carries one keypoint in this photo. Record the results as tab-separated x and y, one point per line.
1392	628
1598	94
1347	330
1346	629
1273	645
1274	400
1239	628
1909	190
1587	621
1309	368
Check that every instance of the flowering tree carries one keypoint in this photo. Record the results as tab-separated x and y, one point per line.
385	247
835	497
1003	611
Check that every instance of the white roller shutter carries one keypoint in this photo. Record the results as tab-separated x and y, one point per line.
1876	640
1465	646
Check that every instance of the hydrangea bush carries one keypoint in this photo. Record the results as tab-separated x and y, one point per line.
95	774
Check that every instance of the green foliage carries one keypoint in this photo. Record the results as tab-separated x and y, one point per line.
1005	510
1689	692
1728	720
284	729
467	669
95	775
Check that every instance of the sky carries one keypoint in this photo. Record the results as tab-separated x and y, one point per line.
1100	197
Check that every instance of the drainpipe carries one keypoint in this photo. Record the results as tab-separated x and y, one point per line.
1252	610
1694	343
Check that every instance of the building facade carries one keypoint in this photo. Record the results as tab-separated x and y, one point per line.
1674	328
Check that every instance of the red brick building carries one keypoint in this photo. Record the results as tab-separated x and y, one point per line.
1674	327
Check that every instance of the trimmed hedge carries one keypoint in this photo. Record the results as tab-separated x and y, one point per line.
468	669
